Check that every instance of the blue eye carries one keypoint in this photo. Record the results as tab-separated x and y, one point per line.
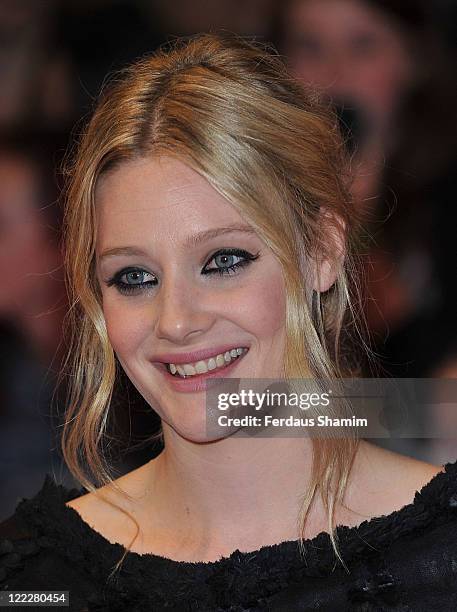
132	280
226	261
137	280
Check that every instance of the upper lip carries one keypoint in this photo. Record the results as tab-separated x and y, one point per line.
193	356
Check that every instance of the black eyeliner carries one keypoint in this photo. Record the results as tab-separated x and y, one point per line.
116	278
248	257
130	288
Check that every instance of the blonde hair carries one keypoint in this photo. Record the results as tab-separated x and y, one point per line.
228	109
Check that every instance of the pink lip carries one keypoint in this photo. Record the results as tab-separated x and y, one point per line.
193	356
199	382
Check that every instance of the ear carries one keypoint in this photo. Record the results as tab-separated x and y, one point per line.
331	246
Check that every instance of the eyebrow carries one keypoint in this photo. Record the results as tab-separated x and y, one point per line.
190	241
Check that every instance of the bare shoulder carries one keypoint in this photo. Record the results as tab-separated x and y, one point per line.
394	465
386	481
383	482
108	510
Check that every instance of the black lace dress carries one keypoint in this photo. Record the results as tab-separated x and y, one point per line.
406	561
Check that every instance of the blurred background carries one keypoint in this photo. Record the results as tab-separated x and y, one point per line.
388	67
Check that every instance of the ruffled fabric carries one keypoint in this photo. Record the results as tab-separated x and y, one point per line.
269	578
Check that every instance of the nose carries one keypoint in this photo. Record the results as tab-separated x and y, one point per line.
182	311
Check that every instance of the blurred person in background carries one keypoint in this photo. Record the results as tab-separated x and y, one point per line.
32	307
382	64
36	108
359	57
391	76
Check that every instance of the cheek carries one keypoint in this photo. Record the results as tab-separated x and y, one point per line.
382	77
263	308
126	326
383	81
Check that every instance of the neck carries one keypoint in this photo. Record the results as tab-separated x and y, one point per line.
235	493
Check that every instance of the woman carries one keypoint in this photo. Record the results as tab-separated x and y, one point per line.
383	63
364	55
209	235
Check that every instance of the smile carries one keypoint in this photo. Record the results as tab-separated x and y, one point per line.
217	362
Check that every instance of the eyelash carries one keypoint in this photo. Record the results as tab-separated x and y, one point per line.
127	288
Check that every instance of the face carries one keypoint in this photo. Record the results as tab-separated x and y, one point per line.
185	281
351	50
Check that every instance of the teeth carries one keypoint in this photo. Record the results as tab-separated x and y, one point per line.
201	367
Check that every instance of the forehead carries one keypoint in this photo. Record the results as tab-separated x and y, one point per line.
160	196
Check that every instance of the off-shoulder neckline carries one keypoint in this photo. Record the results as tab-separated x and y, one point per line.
434	503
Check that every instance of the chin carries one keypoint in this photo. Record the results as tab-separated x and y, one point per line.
198	434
